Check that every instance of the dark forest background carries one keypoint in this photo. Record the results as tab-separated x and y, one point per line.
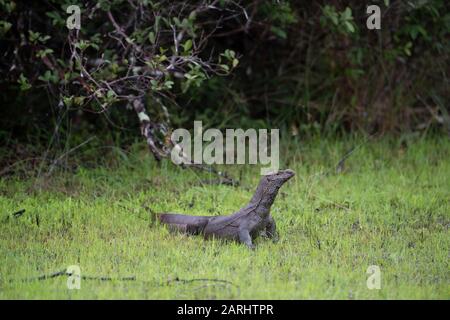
146	67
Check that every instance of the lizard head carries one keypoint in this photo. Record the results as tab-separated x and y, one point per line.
281	175
269	185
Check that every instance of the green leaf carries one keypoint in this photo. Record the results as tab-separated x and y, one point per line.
24	84
407	48
228	54
168	84
33	36
349	26
177	21
347	14
280	33
4	27
187	45
152	37
79	100
225	67
43	53
161	58
192	15
68	101
56	18
110	94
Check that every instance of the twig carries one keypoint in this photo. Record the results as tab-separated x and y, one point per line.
340	165
200	280
65	273
130	278
55	162
11	166
223	177
18	213
185	281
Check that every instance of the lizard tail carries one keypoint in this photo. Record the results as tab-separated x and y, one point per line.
184	223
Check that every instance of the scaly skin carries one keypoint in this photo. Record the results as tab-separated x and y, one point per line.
243	225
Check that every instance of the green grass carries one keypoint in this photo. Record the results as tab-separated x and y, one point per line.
390	207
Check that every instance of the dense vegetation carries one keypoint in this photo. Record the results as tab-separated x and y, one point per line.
303	66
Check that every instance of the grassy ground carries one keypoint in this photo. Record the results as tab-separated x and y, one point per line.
389	207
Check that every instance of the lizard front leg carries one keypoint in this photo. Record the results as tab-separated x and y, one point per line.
244	237
271	229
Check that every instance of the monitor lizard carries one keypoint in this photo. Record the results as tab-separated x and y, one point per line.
243	225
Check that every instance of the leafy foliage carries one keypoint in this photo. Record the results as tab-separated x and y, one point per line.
304	66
